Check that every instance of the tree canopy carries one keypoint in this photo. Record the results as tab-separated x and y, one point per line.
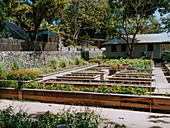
3	6
86	19
132	17
31	13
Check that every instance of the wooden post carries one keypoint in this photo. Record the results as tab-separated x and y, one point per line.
19	94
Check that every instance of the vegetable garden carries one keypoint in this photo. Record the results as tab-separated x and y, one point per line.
88	83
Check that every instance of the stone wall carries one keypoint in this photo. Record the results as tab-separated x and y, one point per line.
31	59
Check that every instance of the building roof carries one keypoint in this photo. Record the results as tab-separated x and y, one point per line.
13	31
142	39
43	31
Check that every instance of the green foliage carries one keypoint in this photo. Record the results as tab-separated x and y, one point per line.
86	19
100	57
64	62
54	62
72	118
3	6
138	63
10	83
10	119
15	64
132	17
166	22
167	94
33	85
102	89
44	70
32	13
3	71
79	61
22	75
166	58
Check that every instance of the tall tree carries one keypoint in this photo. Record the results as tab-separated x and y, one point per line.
3	5
166	23
85	19
32	12
154	26
131	17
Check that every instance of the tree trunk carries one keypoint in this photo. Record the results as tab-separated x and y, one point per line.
36	33
131	52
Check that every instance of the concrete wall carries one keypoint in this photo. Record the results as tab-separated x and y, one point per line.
140	50
31	59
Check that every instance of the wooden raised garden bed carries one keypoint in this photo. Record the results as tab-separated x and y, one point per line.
102	74
93	84
131	79
72	69
144	83
135	102
79	77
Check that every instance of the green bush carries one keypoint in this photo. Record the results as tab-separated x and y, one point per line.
33	85
3	71
10	83
77	60
10	119
54	62
15	64
22	75
64	62
72	118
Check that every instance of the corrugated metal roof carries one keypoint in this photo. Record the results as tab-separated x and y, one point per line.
144	38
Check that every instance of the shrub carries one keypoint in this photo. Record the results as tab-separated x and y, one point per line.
9	119
22	75
11	84
72	118
64	62
77	60
3	71
15	64
33	85
54	62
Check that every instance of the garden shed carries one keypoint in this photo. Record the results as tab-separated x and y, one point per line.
145	45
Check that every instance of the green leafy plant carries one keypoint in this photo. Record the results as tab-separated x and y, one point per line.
10	119
22	75
77	60
15	64
54	62
64	62
33	85
72	118
3	71
10	83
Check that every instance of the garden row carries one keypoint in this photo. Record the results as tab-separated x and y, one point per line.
102	85
135	102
